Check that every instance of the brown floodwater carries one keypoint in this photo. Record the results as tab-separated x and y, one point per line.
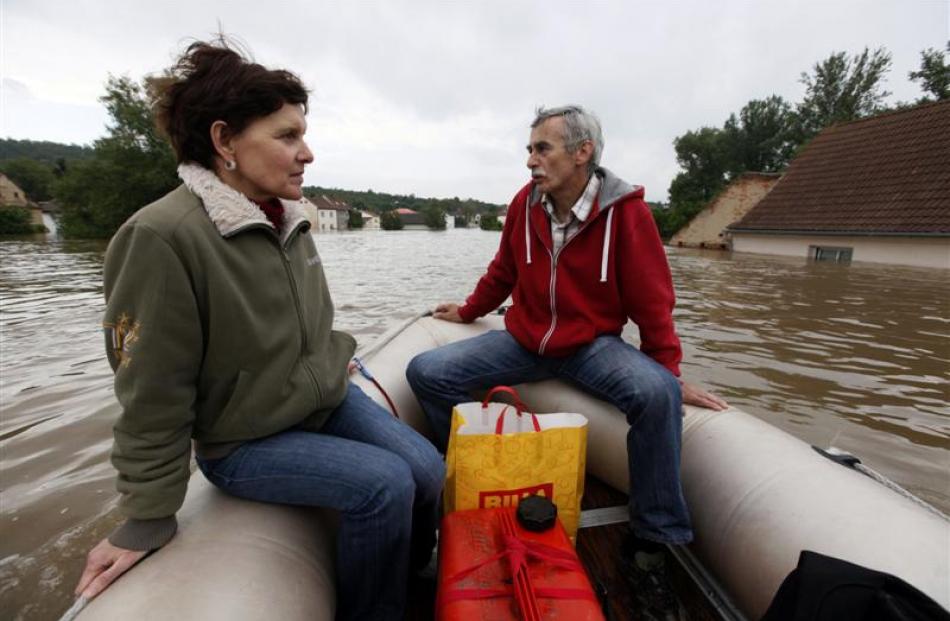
852	356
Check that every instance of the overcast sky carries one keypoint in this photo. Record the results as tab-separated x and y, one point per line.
434	98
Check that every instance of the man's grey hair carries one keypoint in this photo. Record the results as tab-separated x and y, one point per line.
579	126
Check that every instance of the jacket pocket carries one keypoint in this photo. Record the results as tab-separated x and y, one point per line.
231	422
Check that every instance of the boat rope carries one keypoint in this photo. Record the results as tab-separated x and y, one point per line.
846	459
384	340
75	609
387	337
369	376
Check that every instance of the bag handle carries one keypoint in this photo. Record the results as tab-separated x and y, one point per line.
520	408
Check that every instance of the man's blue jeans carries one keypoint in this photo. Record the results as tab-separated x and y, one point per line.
608	369
383	477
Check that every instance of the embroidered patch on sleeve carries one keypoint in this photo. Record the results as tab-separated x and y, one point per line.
120	336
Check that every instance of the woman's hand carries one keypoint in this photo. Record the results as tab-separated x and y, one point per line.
694	395
448	312
104	564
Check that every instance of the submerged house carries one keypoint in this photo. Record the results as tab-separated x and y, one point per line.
874	190
330	214
708	228
411	219
370	221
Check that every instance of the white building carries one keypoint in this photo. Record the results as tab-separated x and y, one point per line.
331	214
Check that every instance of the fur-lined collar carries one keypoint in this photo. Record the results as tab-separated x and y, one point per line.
231	211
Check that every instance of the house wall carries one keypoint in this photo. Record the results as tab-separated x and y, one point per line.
326	220
707	228
11	194
914	251
370	221
36	215
342	219
312	215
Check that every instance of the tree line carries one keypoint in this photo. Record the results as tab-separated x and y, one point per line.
766	134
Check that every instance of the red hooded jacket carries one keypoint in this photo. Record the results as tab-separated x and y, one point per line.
613	268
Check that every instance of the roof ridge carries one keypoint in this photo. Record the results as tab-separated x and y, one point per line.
887	113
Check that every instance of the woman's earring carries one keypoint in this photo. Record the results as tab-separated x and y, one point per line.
230	164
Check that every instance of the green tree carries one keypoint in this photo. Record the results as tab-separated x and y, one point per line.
489	222
390	221
761	138
131	167
667	221
842	88
34	178
355	221
42	151
934	74
16	221
704	155
434	217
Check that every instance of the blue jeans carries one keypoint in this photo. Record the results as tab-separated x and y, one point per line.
384	479
608	369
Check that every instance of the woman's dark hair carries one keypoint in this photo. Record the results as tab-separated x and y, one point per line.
211	82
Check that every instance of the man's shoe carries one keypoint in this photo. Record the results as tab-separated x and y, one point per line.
647	576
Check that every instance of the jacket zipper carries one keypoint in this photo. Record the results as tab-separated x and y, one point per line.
304	343
554	257
551	286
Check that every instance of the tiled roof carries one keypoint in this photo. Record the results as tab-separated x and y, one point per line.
883	175
325	202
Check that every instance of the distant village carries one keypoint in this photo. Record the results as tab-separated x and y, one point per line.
328	214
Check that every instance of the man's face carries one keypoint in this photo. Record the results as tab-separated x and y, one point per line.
552	166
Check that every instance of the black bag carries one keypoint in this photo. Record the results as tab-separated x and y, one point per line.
823	588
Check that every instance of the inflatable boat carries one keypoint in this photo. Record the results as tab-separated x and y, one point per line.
758	496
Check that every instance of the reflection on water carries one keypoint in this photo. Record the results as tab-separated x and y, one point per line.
852	356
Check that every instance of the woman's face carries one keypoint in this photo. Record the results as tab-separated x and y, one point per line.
270	155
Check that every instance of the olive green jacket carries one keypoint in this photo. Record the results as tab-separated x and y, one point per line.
219	329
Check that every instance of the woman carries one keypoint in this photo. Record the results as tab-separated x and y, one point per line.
219	329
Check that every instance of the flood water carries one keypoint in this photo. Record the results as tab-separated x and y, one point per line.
852	356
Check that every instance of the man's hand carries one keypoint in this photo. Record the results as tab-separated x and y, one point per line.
694	395
104	564
448	312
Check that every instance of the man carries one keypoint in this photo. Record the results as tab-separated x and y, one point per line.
580	254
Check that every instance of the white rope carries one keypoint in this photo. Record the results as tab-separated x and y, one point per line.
891	485
75	609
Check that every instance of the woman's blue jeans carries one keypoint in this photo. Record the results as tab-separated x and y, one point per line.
384	479
608	369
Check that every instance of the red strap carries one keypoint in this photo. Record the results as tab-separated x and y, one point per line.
519	551
496	389
458	595
520	407
500	423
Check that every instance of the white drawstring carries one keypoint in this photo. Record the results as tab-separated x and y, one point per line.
603	259
527	232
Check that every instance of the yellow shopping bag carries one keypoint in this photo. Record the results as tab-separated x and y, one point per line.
499	454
